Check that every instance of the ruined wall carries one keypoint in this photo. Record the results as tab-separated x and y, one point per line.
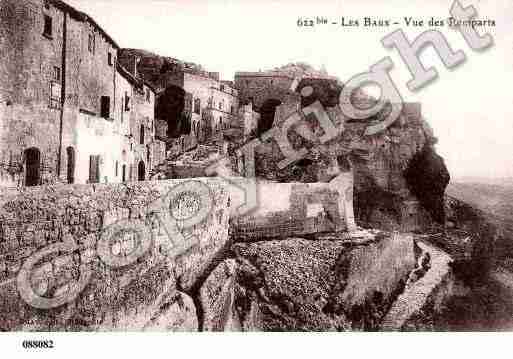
258	87
295	209
248	121
115	298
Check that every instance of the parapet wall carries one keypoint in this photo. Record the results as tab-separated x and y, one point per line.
73	222
134	256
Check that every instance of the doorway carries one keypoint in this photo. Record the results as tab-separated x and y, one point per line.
33	167
142	171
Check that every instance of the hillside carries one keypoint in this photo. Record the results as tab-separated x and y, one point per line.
492	201
493	196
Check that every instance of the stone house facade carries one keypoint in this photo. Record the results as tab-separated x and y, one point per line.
214	102
60	97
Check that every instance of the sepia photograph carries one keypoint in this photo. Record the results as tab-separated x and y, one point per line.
175	167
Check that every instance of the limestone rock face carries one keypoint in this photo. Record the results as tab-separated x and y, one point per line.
428	178
176	312
399	179
321	285
217	297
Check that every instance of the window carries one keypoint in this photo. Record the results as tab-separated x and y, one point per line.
197	106
55	95
142	135
94	169
48	27
122	109
56	74
222	87
127	102
148	95
117	168
71	165
109	59
91	43
231	109
55	88
105	107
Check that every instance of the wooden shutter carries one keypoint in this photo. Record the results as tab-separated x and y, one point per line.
94	169
105	107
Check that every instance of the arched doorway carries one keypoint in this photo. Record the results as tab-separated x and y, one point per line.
32	167
141	171
70	151
267	113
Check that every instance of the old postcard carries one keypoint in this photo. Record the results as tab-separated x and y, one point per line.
255	166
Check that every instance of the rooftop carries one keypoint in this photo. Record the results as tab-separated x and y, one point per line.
81	16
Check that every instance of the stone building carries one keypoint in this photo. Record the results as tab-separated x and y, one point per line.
192	101
60	96
214	103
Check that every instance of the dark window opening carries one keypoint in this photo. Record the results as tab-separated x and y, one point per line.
142	135
71	165
109	57
148	95
117	169
122	109
55	95
48	26
56	74
127	102
105	107
94	169
123	173
91	43
197	106
32	167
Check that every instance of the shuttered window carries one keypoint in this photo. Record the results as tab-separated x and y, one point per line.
105	107
94	169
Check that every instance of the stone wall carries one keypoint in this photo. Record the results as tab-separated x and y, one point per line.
296	209
258	87
127	297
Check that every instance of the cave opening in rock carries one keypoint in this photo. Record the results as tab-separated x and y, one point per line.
267	113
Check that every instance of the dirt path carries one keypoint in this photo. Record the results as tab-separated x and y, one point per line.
416	294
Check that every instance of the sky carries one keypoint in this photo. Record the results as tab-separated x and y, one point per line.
470	107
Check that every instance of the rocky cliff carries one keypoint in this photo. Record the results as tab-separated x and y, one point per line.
400	180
